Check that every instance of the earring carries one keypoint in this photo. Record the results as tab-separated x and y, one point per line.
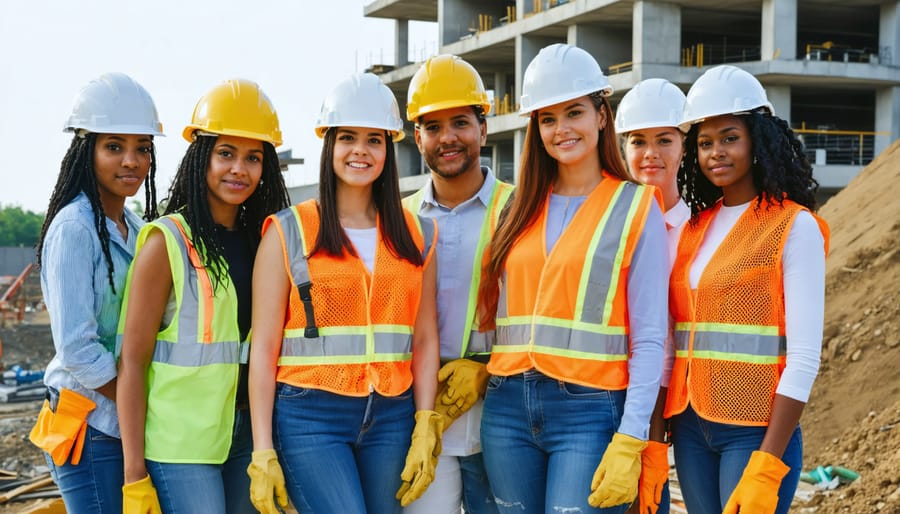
755	160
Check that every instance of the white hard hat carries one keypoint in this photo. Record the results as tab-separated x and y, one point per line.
114	103
722	90
558	73
361	100
650	103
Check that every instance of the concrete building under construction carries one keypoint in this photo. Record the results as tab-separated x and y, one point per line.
830	67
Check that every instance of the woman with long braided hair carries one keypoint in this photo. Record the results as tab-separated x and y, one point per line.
186	318
86	245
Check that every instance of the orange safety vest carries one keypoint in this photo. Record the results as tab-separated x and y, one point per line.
565	313
730	344
348	331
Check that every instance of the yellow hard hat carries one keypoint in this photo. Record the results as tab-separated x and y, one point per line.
236	107
444	82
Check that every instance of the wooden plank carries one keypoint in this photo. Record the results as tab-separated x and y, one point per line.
36	484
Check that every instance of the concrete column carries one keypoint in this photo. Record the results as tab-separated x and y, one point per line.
609	46
780	98
401	42
887	117
455	17
889	33
500	90
526	49
779	30
518	145
656	33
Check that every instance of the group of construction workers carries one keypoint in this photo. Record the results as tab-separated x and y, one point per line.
654	279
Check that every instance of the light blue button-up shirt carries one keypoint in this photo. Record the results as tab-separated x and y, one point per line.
458	231
84	311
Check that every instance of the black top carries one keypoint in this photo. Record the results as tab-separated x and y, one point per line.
239	256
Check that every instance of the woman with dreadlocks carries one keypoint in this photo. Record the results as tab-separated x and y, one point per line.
747	297
186	317
86	244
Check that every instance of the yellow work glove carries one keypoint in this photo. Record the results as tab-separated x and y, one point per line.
654	473
266	480
422	457
616	479
140	498
462	382
757	490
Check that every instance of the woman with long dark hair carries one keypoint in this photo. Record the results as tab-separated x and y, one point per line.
343	366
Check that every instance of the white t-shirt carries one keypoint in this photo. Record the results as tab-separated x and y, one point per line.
364	241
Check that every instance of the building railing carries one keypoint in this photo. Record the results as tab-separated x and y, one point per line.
830	51
621	67
703	54
846	147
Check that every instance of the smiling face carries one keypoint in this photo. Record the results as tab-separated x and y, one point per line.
359	155
450	141
725	155
570	132
235	168
121	163
654	155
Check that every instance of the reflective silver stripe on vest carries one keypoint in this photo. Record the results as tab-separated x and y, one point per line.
596	295
513	334
345	345
199	354
580	340
727	342
682	339
603	261
188	315
480	342
427	225
293	241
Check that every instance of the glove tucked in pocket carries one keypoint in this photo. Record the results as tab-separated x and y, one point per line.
61	433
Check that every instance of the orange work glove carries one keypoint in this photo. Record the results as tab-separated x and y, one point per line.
654	473
140	498
422	458
266	479
616	479
757	490
61	433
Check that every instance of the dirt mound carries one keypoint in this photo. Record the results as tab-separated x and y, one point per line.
859	383
872	449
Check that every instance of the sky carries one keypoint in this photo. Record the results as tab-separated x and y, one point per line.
296	50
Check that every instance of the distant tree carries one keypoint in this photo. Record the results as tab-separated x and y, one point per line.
137	207
19	227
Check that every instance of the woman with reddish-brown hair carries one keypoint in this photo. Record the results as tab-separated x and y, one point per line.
575	273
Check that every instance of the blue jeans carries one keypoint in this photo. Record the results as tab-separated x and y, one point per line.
477	495
342	453
542	441
213	488
94	486
710	458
